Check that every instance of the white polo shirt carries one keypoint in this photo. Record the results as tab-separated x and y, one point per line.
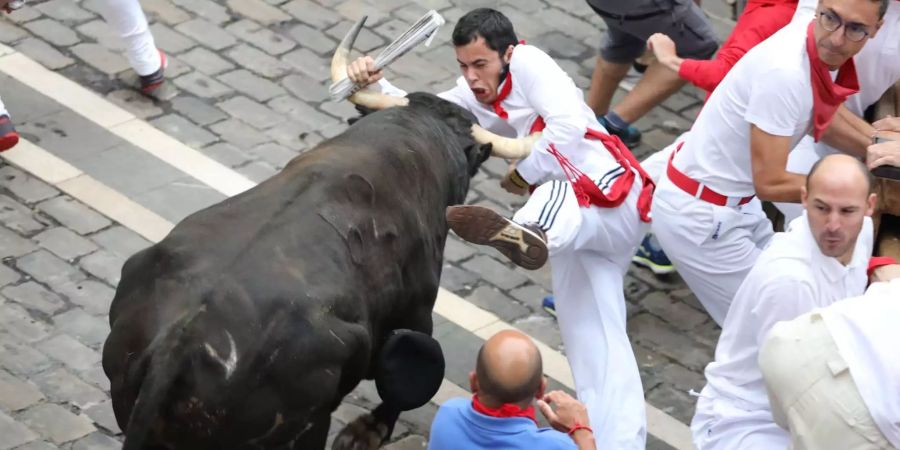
790	278
540	88
769	87
866	332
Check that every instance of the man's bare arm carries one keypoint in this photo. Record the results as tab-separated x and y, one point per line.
769	154
849	133
570	417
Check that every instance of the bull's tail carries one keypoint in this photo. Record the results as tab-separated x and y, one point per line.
166	359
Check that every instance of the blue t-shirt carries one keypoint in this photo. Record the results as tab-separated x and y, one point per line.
458	426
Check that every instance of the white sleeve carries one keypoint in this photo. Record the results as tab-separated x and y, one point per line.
782	300
385	87
554	96
777	104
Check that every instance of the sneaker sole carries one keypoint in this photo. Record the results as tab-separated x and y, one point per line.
655	268
482	226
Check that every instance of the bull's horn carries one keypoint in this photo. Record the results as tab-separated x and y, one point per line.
364	98
505	147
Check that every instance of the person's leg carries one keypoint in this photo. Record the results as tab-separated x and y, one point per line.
657	84
127	19
604	82
8	135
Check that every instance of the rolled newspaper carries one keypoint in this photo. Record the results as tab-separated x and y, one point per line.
422	31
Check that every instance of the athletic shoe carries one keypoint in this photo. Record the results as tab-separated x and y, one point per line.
549	305
651	256
525	245
629	135
152	82
8	136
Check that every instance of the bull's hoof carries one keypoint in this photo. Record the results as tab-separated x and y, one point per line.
364	433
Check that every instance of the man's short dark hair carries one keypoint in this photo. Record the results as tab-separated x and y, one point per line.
487	23
883	7
523	392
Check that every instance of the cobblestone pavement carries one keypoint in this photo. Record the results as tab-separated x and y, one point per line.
248	88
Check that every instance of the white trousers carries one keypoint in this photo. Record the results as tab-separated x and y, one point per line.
128	21
3	111
713	247
720	425
590	249
811	389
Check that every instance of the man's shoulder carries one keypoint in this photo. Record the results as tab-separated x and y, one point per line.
529	57
553	439
780	57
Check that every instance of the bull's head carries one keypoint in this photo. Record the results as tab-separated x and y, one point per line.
502	147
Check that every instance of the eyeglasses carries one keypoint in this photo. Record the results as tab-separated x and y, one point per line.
853	31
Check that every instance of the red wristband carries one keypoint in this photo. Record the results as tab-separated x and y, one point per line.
577	427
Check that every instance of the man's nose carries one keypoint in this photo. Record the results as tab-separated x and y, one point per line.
834	222
837	38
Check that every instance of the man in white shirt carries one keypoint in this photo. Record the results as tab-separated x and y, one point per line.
821	259
878	66
833	375
588	211
704	216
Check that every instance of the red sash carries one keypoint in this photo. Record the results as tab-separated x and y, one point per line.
828	95
505	410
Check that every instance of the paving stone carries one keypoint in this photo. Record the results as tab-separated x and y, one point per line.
134	102
64	243
455	250
226	154
100	58
193	196
419	420
292	136
62	386
185	131
634	289
165	11
257	171
263	38
170	40
532	296
95	377
251	112
21	359
274	154
258	11
494	272
367	42
57	423
14	433
667	340
88	329
408	443
206	61
34	296
10	33
502	305
455	279
206	9
672	311
49	269
97	441
210	34
18	217
259	88
308	63
70	352
104	265
202	85
673	402
312	14
308	90
102	415
120	241
11	244
74	215
309	119
313	39
64	11
258	61
43	53
101	32
93	296
8	276
16	393
18	323
239	133
38	445
53	31
542	328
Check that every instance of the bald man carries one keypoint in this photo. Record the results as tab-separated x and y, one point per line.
822	258
507	380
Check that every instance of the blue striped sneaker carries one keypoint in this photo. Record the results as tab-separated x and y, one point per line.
651	256
549	305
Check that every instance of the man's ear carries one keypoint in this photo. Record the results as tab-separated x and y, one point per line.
473	382
871	202
507	55
542	390
804	196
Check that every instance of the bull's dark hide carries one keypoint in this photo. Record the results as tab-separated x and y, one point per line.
246	326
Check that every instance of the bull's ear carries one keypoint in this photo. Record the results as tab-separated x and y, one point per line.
476	155
410	369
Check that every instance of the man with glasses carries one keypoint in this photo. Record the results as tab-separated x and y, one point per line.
706	215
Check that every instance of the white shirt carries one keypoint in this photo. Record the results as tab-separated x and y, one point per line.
790	278
866	332
770	87
540	88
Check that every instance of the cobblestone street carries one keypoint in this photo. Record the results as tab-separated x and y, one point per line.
248	88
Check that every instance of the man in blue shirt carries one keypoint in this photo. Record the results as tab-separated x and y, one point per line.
507	380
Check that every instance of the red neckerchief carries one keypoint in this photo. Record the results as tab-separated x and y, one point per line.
879	261
505	410
828	95
504	92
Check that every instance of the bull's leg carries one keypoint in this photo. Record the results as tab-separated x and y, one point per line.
316	436
368	431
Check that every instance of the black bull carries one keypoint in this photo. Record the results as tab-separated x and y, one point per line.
246	326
